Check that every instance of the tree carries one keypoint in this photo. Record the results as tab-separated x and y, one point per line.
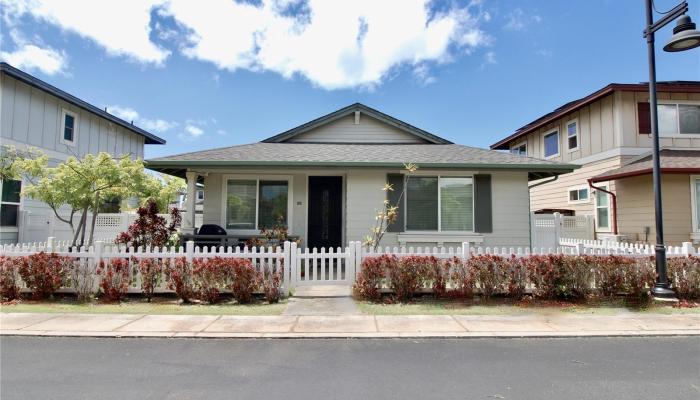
82	185
163	189
151	229
389	212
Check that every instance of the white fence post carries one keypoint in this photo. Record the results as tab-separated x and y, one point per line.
189	251
557	228
49	244
287	263
293	264
688	249
350	262
357	265
466	250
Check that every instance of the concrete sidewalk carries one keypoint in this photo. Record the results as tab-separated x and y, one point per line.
344	326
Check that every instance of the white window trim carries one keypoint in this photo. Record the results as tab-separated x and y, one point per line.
439	231
694	203
257	179
12	229
678	120
577	135
605	186
65	112
544	146
577	188
523	143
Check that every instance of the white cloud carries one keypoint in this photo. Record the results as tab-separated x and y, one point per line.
517	20
333	44
121	27
152	125
194	131
31	57
489	59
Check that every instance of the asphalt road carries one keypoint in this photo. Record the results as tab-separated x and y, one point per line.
575	368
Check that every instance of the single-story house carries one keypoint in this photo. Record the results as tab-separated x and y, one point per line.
324	180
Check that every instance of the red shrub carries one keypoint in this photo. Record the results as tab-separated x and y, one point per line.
640	275
437	274
115	277
408	275
9	278
610	274
546	273
271	282
489	273
369	281
684	275
577	276
515	276
245	280
179	278
150	229
462	277
151	270
44	273
209	277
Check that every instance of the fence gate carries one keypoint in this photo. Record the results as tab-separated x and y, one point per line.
325	267
547	229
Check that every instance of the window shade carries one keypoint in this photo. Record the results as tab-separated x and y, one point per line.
240	204
422	204
457	204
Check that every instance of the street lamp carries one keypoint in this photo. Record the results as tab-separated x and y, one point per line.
685	37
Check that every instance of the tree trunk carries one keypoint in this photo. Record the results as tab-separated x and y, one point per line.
83	224
95	211
78	229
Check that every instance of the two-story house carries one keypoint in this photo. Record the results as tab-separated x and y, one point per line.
607	133
36	114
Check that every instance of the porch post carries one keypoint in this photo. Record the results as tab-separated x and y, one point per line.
188	221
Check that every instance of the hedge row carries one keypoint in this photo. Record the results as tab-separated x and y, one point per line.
201	279
547	277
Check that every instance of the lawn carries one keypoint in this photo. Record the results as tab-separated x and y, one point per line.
139	306
428	306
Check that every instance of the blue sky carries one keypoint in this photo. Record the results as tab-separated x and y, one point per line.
234	73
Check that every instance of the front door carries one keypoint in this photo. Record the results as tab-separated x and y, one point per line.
325	211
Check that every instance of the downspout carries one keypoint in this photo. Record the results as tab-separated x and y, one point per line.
614	204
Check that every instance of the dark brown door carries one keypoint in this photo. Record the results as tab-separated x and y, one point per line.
325	211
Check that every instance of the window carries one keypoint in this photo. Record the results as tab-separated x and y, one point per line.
200	195
520	149
578	195
255	204
551	144
602	208
679	119
9	202
572	135
695	187
69	127
440	204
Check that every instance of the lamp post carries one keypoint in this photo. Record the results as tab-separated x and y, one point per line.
685	37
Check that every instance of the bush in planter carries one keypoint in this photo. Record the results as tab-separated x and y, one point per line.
151	270
489	273
408	275
115	278
179	278
44	273
9	278
462	276
372	273
245	280
684	275
209	276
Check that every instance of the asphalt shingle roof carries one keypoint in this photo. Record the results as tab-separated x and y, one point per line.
671	161
309	154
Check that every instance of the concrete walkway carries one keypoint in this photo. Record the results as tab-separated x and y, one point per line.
341	326
321	300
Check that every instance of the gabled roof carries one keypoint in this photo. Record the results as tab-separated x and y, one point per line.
335	115
668	86
672	162
317	155
69	98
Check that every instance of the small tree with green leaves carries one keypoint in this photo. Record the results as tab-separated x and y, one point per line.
389	213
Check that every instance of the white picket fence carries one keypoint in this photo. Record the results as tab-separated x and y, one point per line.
547	229
306	266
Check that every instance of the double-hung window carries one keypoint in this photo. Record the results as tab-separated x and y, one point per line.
572	135
440	203
254	204
69	121
679	119
551	144
602	209
9	202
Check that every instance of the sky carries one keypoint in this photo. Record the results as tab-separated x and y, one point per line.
205	74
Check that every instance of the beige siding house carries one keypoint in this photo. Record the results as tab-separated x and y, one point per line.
37	115
608	130
324	181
